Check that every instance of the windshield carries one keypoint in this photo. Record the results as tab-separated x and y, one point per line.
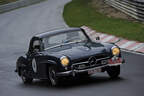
64	38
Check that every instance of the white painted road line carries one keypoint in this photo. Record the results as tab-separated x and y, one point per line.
137	46
140	49
132	52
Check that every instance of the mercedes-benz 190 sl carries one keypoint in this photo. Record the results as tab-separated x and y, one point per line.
67	53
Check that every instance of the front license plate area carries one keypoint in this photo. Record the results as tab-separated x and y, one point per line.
94	71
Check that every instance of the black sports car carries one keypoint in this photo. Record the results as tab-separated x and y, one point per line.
70	52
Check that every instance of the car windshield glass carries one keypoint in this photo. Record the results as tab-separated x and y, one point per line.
64	38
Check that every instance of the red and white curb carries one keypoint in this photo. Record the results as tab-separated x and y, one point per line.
122	43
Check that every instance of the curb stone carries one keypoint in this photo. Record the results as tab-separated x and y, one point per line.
122	43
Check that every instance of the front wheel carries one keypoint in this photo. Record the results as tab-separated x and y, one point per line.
113	71
52	76
25	79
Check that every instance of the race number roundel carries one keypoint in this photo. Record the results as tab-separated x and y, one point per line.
34	65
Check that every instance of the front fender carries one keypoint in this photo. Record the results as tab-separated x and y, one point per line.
49	62
54	63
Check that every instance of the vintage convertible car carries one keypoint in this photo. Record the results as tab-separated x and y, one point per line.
67	53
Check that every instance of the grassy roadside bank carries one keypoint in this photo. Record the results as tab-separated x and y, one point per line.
6	1
80	12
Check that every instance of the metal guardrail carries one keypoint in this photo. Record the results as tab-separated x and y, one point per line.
132	8
17	4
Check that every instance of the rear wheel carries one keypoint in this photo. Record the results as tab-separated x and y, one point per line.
52	76
25	79
113	71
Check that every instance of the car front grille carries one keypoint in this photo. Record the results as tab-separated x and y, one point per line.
85	62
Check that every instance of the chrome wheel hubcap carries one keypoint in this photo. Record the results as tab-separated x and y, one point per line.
52	77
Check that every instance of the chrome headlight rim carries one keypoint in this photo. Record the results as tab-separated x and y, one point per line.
115	47
66	62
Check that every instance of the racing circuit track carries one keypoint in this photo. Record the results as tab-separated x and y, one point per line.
16	29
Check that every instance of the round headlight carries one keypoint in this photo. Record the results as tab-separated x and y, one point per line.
64	61
115	51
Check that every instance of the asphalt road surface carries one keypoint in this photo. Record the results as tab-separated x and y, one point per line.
16	29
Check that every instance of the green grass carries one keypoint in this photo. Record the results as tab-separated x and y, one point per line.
6	1
79	12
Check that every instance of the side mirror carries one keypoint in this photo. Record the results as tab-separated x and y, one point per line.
98	38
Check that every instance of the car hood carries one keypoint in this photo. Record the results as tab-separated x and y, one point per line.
76	51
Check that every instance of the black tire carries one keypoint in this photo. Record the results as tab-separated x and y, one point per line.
54	80
113	71
25	79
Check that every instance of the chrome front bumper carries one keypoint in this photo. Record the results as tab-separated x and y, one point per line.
74	72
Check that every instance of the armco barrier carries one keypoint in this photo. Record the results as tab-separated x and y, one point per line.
132	8
17	4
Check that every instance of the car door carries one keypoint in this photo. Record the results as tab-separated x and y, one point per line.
39	68
33	56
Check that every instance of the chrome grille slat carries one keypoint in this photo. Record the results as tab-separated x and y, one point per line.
87	61
86	64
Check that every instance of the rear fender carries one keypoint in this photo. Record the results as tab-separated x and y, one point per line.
21	64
